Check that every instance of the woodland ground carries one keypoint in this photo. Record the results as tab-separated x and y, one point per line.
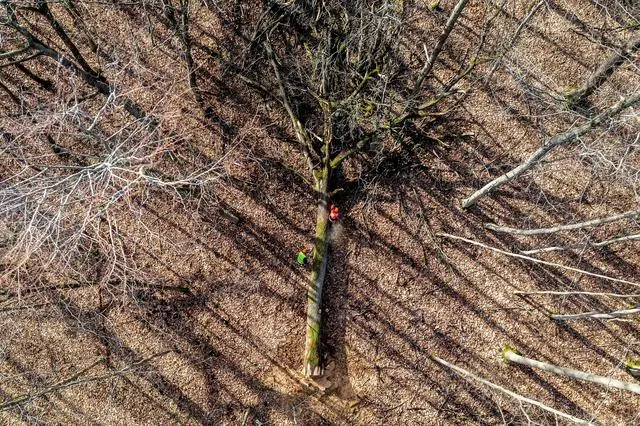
226	298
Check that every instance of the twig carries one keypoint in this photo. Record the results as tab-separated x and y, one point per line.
295	417
245	416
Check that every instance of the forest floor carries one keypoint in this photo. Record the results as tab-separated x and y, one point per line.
220	290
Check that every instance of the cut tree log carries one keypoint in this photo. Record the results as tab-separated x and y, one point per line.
312	366
510	355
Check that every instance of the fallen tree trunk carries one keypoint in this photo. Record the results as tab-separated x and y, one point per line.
311	363
549	146
509	355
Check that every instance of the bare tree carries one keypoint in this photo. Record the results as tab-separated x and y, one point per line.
64	204
341	85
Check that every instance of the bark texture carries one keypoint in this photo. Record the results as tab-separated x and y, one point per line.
312	366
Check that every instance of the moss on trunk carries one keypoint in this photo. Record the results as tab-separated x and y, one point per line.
312	357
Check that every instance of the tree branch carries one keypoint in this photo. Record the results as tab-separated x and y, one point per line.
513	40
43	9
604	243
360	145
576	293
75	380
597	315
533	259
301	134
451	22
545	149
569	227
604	71
19	61
12	53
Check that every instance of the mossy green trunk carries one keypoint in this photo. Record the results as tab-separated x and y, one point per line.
312	365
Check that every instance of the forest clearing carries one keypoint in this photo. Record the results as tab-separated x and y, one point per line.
307	212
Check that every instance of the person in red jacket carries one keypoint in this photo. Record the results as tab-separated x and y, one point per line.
334	213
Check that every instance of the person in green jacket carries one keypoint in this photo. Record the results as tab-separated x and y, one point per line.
303	256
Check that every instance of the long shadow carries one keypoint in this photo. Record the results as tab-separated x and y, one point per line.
597	350
391	329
